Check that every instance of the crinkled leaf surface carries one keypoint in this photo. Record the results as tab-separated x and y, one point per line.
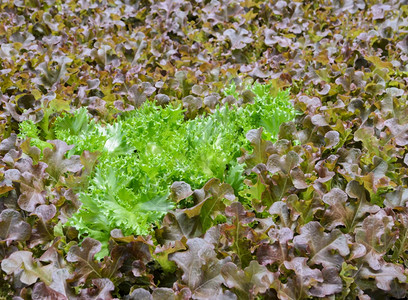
32	270
84	257
201	268
13	227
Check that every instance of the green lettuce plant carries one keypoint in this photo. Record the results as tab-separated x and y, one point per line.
144	151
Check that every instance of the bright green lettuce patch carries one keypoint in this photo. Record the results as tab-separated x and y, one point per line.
148	149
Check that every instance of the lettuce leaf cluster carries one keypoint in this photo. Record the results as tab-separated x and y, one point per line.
144	151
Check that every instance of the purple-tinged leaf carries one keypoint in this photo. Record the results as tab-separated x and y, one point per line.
140	294
58	289
86	265
13	227
385	276
331	285
336	213
278	250
192	105
328	249
324	173
399	131
239	39
180	190
6	184
210	202
287	220
319	120
237	237
102	290
175	225
260	146
42	230
304	209
401	244
351	80
332	138
248	283
283	164
60	284
201	268
42	291
7	144
238	211
397	198
163	293
298	286
298	178
56	161
45	212
31	184
88	161
378	235
32	270
359	208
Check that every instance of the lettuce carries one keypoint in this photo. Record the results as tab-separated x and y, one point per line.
144	151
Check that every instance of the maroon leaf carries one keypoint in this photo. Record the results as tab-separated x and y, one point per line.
281	209
180	190
6	184
56	161
86	266
60	284
239	39
238	211
175	225
399	131
201	268
278	251
45	212
42	230
192	105
236	238
260	146
377	234
58	289
359	208
283	164
42	291
13	227
332	284
298	178
101	290
385	276
141	294
248	283
32	270
336	213
328	249
397	198
324	173
332	138
32	184
304	279
7	144
210	201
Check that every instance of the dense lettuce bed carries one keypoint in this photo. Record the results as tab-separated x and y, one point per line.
203	149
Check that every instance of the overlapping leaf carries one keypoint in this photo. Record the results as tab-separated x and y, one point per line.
345	63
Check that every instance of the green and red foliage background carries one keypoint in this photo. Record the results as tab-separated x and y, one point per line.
329	213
